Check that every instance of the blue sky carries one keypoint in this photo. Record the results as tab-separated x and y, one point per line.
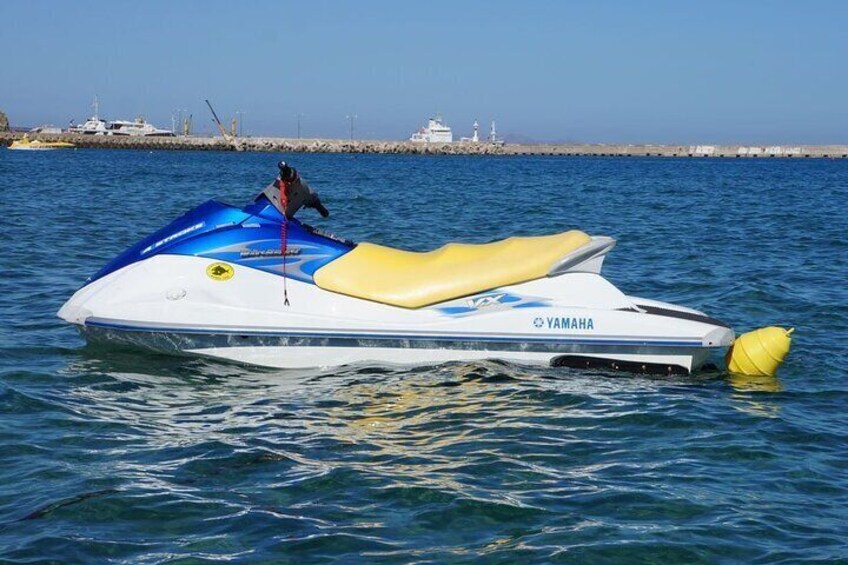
632	72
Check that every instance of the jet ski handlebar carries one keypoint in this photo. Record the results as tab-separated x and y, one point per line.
298	193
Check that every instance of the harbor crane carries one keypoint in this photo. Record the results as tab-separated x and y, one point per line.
230	137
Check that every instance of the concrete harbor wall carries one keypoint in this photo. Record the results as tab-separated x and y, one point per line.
287	145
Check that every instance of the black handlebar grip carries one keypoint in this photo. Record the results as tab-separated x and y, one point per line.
321	210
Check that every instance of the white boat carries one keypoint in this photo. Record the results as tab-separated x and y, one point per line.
138	127
435	132
97	126
93	125
223	282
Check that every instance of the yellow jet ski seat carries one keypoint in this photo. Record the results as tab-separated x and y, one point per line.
412	280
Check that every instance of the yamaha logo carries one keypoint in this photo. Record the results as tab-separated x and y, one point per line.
538	322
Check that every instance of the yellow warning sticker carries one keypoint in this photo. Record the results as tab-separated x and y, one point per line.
220	271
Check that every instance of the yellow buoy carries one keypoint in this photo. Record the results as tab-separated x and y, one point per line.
759	353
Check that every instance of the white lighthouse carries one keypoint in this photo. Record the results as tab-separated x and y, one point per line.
474	138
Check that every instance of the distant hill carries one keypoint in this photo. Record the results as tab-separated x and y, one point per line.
521	139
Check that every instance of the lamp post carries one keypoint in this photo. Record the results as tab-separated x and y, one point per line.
352	118
299	116
240	116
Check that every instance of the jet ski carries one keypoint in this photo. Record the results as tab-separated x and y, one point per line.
255	285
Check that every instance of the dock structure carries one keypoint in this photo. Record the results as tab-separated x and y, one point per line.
290	145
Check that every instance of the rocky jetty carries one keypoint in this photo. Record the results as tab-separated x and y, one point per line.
287	145
366	146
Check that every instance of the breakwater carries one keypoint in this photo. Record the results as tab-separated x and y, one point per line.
288	145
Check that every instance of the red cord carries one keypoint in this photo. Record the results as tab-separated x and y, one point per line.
284	236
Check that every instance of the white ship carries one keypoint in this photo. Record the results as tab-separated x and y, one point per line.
435	132
138	127
97	126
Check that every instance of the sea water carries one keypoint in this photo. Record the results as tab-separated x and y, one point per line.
127	456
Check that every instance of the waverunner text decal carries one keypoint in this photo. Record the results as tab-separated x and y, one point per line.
260	253
172	237
565	323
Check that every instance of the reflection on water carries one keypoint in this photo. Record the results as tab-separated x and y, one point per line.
752	394
747	383
424	424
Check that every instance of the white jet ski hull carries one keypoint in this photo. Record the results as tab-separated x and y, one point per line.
169	303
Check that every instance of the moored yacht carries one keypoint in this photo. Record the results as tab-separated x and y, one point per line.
93	125
137	127
97	126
